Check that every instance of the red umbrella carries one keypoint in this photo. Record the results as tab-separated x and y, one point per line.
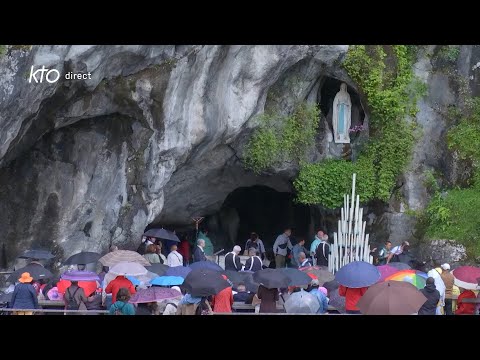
466	277
88	286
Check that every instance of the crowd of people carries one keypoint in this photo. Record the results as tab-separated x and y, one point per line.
113	294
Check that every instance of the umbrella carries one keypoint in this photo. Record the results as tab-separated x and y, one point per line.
76	275
296	277
271	278
162	234
5	298
157	268
237	277
134	280
386	271
167	280
337	301
206	265
251	285
466	277
84	257
178	271
88	286
357	274
399	265
204	282
36	271
301	302
153	294
118	256
414	277
320	272
37	254
391	298
331	285
128	268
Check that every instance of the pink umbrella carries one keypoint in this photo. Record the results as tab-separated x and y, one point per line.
466	277
386	271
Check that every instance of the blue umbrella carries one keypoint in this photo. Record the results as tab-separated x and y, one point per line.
134	280
181	271
167	280
357	274
205	265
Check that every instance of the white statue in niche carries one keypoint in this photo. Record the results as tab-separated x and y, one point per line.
342	116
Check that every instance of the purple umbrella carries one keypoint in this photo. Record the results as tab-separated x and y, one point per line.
76	275
153	294
357	274
386	271
181	271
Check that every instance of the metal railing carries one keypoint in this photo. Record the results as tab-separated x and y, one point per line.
58	311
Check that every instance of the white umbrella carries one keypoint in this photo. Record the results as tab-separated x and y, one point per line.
128	268
302	302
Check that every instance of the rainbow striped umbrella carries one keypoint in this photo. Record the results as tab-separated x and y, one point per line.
414	277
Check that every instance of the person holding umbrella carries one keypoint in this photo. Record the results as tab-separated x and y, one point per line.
118	283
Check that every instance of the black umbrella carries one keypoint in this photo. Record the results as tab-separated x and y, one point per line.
5	298
237	277
36	271
297	277
399	265
271	278
157	268
331	285
162	234
37	254
203	282
251	285
84	257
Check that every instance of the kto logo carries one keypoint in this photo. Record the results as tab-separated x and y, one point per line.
51	75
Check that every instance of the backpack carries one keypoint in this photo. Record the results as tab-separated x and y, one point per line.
71	302
118	311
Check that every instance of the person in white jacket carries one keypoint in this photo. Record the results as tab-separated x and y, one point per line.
174	258
440	286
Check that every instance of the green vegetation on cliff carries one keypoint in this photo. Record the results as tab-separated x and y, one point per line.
455	213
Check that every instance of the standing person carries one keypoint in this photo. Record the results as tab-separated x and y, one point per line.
116	284
298	248
351	298
208	248
174	258
151	254
321	295
121	306
75	298
398	250
142	248
383	253
24	295
464	308
313	248
199	253
448	280
184	250
255	242
440	286
269	298
280	247
159	245
323	250
253	263
433	297
232	259
223	301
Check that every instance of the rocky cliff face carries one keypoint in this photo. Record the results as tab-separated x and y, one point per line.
157	133
152	136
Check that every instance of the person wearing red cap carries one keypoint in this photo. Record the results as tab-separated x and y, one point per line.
223	301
